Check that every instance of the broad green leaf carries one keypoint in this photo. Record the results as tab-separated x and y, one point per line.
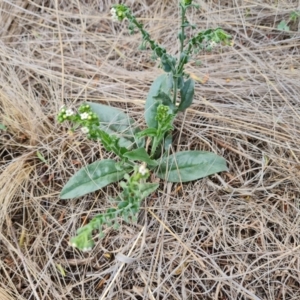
190	165
91	178
148	188
158	85
116	122
187	94
140	154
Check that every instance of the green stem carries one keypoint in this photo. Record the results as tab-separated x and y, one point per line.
183	10
180	64
144	33
175	87
155	144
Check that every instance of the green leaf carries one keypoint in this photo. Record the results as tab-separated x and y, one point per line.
41	157
283	26
140	154
116	122
187	94
147	188
91	178
180	82
158	85
168	141
295	15
190	165
151	132
2	127
167	62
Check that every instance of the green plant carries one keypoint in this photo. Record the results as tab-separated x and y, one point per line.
169	94
283	25
2	127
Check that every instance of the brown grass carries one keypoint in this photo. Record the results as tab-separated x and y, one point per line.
235	235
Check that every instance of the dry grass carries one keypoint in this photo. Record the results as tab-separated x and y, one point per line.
235	235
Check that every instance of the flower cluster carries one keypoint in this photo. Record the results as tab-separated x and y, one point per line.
64	114
88	120
164	117
128	205
143	170
119	12
209	39
85	240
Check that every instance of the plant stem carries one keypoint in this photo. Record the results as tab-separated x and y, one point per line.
182	37
144	33
179	67
175	84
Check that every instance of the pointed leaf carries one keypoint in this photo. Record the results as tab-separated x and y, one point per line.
116	122
91	178
148	188
187	94
190	165
151	132
159	84
141	155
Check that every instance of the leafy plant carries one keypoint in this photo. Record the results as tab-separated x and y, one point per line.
170	93
2	127
283	25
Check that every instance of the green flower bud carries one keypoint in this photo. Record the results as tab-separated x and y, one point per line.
162	113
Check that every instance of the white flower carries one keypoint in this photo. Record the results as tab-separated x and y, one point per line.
85	130
213	44
69	112
84	116
73	245
114	15
143	170
86	249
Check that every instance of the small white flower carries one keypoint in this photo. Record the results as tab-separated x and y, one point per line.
85	130
114	15
69	112
143	170
86	249
84	116
213	44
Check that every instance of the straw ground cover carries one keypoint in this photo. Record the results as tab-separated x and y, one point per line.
235	235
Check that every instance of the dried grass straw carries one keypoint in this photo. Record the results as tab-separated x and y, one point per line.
243	226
